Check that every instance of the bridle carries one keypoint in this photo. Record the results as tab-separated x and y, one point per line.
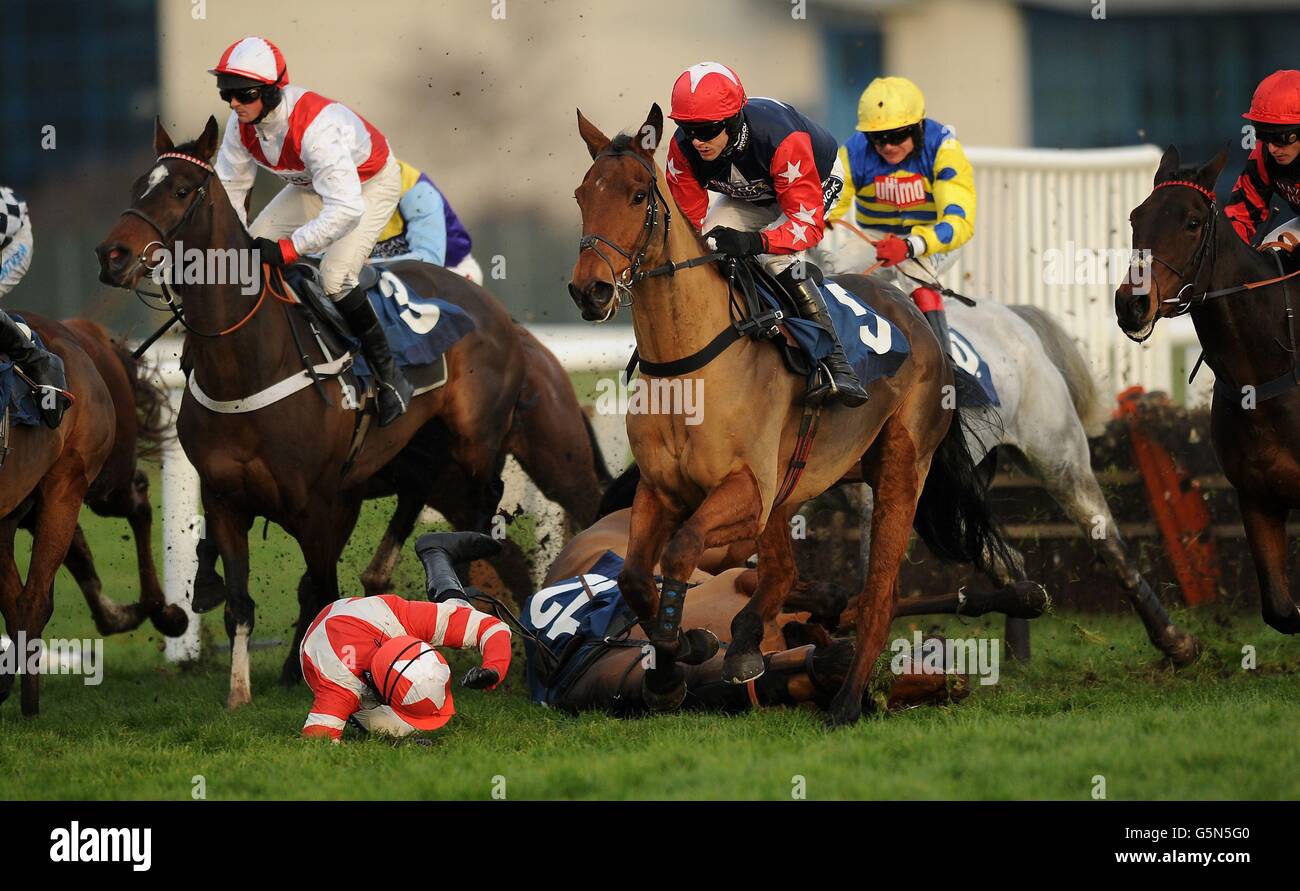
655	202
165	238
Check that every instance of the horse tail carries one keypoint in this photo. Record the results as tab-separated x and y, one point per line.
597	456
1065	355
952	514
620	493
153	407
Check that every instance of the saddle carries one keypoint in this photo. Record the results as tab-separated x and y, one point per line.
746	277
304	278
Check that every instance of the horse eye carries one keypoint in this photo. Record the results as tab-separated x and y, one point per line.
182	192
1193	224
638	197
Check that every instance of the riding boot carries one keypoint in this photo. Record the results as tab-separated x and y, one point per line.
930	303
440	551
42	366
394	390
843	383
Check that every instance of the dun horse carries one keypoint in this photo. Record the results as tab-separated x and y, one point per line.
1244	314
714	482
289	464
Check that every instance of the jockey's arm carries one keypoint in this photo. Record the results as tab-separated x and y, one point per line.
1251	193
455	625
334	178
954	201
691	197
425	214
799	194
236	169
844	204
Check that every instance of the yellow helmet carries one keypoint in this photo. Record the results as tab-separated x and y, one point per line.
889	103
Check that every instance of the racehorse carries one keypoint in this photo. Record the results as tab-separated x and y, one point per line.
551	438
291	464
122	488
714	482
1241	305
43	481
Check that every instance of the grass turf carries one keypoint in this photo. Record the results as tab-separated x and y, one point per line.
1094	702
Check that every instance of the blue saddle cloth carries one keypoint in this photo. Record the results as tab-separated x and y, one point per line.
974	380
419	328
875	347
14	391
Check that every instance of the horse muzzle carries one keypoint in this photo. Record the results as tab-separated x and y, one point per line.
1135	312
117	263
596	300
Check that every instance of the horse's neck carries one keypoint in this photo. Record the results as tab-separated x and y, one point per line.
677	315
1244	334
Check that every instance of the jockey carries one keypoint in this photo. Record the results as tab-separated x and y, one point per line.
373	660
342	188
777	174
1272	168
424	227
910	185
45	368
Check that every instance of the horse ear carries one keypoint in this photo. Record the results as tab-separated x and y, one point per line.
207	143
651	132
1209	174
161	141
596	141
1168	164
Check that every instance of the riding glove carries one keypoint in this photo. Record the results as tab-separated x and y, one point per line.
893	250
735	243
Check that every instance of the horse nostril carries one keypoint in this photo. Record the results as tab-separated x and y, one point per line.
576	293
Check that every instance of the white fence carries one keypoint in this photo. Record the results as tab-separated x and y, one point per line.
1031	201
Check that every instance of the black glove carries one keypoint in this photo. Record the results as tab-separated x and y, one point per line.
270	251
733	242
479	678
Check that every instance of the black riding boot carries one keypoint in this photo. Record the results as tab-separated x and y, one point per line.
394	390
938	320
440	551
42	366
843	383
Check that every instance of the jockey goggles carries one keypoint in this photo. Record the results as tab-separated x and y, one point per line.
245	95
703	130
891	137
1280	137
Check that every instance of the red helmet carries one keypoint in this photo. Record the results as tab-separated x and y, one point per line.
1277	99
412	678
707	91
249	62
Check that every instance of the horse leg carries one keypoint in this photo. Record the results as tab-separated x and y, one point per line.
168	618
776	575
229	529
1022	600
1066	471
110	617
1265	523
10	585
895	470
322	540
378	577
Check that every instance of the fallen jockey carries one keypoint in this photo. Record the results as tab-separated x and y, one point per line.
424	227
342	187
776	174
43	367
372	661
581	654
908	185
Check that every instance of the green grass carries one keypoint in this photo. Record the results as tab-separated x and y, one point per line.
1093	702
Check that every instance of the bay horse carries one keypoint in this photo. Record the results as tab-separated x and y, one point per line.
43	481
714	482
140	407
1242	309
289	463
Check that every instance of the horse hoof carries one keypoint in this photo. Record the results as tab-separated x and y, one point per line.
1288	624
170	621
698	646
669	698
740	668
209	593
844	711
1031	600
237	699
1182	647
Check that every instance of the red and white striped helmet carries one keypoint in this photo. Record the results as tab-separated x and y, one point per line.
413	679
254	59
707	91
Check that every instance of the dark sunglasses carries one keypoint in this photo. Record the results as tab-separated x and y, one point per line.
890	137
704	131
1286	137
246	95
